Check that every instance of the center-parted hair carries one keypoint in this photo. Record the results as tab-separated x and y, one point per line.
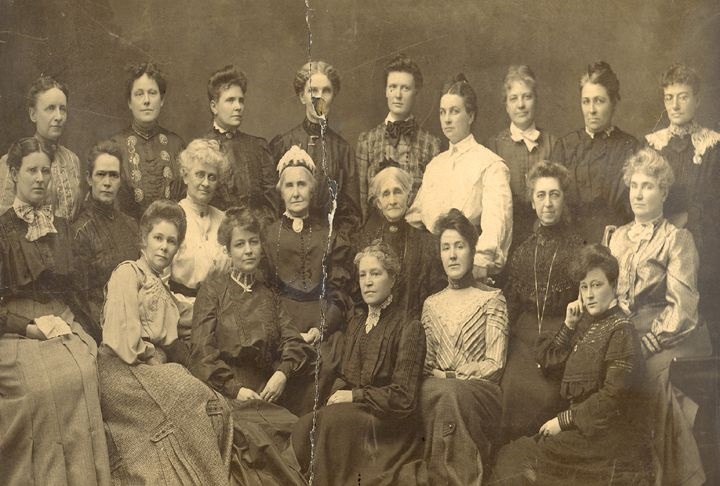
104	147
223	79
22	148
456	220
313	67
136	71
400	176
403	64
163	210
519	73
460	86
594	256
42	84
601	73
385	255
242	218
546	168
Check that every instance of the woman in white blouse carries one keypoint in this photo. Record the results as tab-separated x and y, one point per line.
468	177
202	165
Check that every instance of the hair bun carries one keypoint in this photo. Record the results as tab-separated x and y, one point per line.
460	78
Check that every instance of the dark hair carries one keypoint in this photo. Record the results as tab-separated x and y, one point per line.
456	220
546	168
42	84
22	148
384	254
601	73
136	71
460	86
223	79
104	147
681	74
312	67
595	256
242	218
403	64
163	210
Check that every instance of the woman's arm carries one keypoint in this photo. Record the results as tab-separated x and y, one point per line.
430	363
496	331
496	218
296	356
398	399
122	330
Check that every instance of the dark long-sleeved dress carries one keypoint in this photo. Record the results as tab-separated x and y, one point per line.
604	438
597	191
150	167
538	290
371	440
103	237
51	429
311	278
335	165
419	251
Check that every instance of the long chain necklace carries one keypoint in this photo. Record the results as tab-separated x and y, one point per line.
541	314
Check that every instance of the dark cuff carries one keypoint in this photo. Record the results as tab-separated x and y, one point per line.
650	343
231	388
450	374
333	319
358	395
564	335
177	352
15	324
286	367
566	420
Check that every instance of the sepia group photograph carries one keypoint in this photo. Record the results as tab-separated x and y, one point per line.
355	243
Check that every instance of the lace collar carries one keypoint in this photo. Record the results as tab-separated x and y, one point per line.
374	311
701	138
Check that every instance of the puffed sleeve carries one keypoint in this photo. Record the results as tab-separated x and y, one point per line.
205	362
349	213
398	399
296	356
553	350
340	281
593	414
268	179
680	315
496	220
362	162
414	214
496	332
122	330
431	341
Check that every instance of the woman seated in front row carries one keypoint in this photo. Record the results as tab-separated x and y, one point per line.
538	290
602	438
245	345
51	430
367	432
658	286
466	328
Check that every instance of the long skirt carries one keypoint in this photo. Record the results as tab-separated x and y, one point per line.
530	396
460	421
163	426
619	457
353	446
676	452
262	449
51	430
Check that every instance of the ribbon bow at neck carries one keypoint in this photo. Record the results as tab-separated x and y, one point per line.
529	136
395	130
39	220
640	232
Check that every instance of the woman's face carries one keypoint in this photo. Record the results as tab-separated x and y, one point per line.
392	200
520	104
49	113
454	118
548	200
161	245
456	254
318	86
145	100
375	282
245	250
201	181
597	292
32	179
681	103
646	196
597	107
296	190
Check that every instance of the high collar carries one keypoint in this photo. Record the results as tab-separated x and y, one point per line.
613	309
146	133
314	129
551	232
607	132
244	280
463	145
389	119
464	282
199	209
50	146
688	129
106	210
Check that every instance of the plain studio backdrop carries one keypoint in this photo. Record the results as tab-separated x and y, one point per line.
87	44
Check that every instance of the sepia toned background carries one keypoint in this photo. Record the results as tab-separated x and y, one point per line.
87	43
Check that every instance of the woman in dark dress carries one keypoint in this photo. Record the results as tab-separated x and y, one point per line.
366	433
595	155
466	326
310	269
603	437
51	429
538	290
245	346
418	249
